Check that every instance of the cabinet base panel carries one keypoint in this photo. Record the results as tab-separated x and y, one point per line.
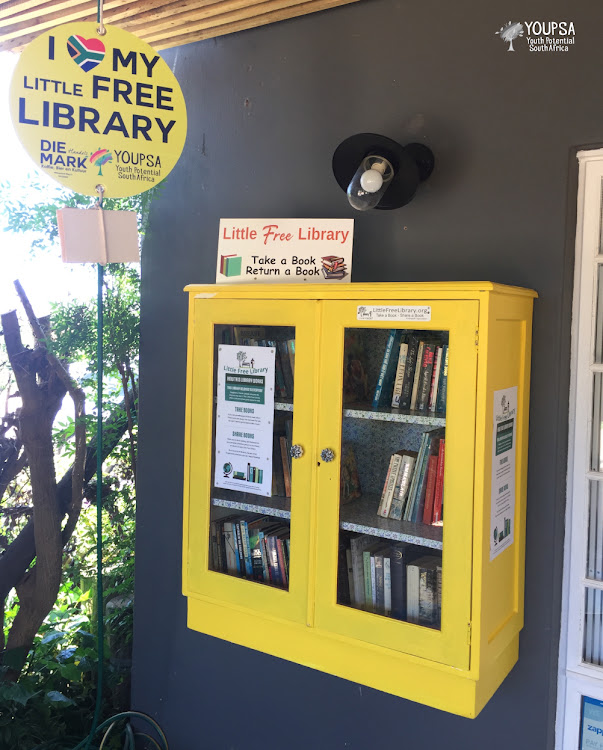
432	684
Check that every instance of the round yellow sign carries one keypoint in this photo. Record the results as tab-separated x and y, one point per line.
96	109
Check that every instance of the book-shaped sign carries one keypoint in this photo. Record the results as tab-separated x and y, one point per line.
284	250
97	236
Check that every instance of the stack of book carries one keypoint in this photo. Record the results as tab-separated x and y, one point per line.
393	579
251	546
333	267
414	373
414	484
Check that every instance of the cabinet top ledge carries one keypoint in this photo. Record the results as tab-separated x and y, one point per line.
359	290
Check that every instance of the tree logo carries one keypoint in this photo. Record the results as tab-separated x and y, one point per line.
509	32
100	157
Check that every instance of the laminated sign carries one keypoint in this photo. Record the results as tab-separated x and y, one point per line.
96	109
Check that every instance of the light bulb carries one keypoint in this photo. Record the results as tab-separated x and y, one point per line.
369	183
371	180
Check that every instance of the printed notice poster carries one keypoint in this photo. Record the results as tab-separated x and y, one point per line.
504	442
245	418
591	731
252	251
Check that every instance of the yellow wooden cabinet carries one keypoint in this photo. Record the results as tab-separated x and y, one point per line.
428	606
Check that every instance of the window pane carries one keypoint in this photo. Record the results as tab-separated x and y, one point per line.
392	473
598	355
251	512
596	442
593	648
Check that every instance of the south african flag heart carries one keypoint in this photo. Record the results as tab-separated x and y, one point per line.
87	53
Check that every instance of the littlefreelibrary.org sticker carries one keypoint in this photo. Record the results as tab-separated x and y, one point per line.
406	313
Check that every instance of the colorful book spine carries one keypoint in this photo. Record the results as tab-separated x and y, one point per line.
417	376
432	464
424	388
399	501
409	372
388	370
387	587
443	384
439	493
246	548
399	379
390	485
379	584
435	378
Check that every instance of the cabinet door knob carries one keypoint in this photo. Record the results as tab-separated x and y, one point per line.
327	454
296	451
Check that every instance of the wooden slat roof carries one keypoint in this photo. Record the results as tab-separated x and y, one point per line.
160	23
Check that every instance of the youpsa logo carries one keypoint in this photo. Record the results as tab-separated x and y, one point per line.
541	36
509	32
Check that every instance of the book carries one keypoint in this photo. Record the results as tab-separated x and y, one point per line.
399	554
280	390
417	376
439	491
409	372
285	464
424	386
385	381
399	500
355	378
399	379
291	352
432	463
278	475
358	544
443	384
343	578
429	606
424	591
435	378
379	584
349	482
391	480
387	586
246	548
244	334
230	548
285	360
350	572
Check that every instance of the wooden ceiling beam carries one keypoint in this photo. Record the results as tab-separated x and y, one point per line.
161	24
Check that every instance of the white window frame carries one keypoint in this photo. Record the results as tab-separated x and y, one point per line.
577	678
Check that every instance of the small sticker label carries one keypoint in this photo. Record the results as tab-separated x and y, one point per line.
409	313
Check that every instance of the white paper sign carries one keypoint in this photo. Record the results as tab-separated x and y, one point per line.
504	442
410	313
245	418
284	250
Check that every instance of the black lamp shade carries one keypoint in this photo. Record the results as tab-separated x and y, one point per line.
412	164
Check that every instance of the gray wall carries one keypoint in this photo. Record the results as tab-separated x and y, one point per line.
267	108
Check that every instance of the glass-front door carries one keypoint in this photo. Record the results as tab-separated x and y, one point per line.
250	466
396	474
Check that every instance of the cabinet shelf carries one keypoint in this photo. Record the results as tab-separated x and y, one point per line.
384	414
279	507
364	411
361	516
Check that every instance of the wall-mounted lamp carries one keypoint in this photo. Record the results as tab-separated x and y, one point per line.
377	172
